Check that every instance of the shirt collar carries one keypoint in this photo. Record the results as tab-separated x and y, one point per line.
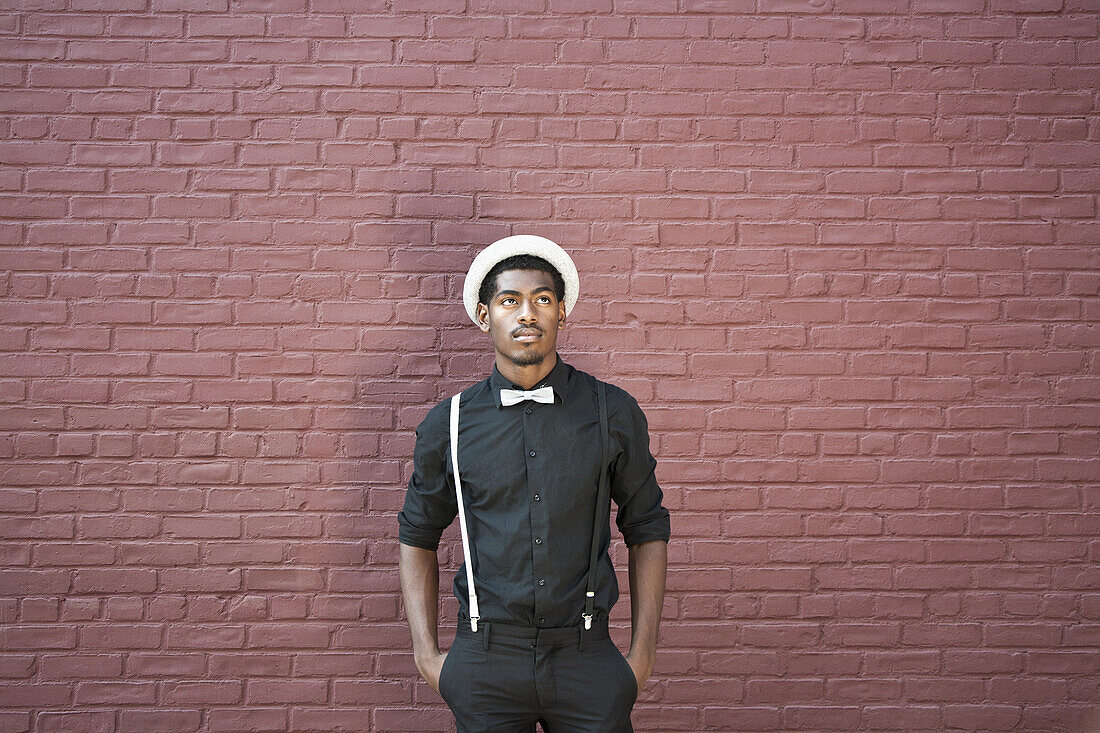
558	378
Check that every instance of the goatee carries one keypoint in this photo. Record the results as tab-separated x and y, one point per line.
527	359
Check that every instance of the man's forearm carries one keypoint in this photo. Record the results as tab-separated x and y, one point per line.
419	570
647	565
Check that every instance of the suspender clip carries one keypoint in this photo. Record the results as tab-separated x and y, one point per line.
587	621
473	623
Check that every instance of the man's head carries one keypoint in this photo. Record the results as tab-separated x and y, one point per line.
520	289
521	307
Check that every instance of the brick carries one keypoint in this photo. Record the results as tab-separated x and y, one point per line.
232	76
436	51
266	51
106	50
146	27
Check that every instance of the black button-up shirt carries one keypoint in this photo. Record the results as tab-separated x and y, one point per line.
530	473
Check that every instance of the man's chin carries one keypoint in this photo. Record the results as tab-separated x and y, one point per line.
526	358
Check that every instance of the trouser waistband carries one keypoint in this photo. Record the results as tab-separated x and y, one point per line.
555	635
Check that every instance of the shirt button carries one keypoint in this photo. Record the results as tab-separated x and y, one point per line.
542	582
537	497
532	454
538	540
527	411
542	621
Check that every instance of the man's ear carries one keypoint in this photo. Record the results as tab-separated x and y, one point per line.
561	314
482	314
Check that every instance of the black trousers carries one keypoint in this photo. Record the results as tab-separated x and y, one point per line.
505	679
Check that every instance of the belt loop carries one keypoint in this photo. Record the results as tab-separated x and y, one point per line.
485	635
581	635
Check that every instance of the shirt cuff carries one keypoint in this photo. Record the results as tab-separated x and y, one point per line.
416	537
658	528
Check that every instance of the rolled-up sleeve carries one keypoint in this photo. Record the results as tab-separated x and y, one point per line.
641	516
430	504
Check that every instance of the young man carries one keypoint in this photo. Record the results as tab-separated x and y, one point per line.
534	449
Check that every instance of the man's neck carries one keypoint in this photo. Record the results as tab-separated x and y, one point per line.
526	376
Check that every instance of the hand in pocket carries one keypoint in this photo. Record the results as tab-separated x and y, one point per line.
432	669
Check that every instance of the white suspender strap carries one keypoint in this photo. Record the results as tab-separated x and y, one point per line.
474	615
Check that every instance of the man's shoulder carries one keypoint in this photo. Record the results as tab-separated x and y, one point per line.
616	395
438	417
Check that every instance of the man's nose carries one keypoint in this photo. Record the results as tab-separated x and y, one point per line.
526	311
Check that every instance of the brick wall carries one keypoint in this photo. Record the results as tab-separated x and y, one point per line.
842	251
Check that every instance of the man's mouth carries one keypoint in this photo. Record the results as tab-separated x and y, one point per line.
527	336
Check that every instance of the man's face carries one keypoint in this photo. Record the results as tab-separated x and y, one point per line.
523	316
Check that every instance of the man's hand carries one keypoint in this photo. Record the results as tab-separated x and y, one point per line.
430	668
642	667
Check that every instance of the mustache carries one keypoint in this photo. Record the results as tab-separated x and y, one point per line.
529	329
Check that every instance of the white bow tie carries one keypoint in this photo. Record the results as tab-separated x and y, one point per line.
512	396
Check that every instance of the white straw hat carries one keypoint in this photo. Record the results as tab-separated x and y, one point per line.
520	244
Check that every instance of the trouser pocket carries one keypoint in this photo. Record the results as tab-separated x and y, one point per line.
628	671
461	670
457	657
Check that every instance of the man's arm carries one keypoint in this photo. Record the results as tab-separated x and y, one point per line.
430	506
647	563
419	570
644	523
